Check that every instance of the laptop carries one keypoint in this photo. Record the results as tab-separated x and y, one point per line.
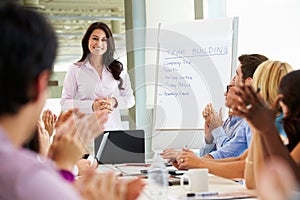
122	146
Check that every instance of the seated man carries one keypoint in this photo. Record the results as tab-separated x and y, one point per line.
234	137
217	135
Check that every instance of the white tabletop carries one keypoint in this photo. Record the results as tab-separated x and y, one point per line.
216	184
177	192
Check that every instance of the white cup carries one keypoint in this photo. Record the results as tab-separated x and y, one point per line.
197	180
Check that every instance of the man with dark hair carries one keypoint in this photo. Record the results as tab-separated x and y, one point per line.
27	52
247	67
218	134
234	135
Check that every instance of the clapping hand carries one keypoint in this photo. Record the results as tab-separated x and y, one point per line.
43	138
94	185
75	129
66	147
213	120
250	105
49	120
206	113
91	126
66	115
84	165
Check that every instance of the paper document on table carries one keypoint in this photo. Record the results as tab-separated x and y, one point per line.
108	167
131	170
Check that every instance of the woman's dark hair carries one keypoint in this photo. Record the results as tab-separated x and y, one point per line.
249	63
289	88
112	65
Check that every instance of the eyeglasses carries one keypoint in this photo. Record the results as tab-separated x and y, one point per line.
227	88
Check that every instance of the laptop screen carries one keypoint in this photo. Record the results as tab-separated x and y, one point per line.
116	147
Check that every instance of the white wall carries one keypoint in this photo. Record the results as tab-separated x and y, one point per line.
268	27
170	11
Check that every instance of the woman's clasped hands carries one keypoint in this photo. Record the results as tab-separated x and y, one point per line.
106	104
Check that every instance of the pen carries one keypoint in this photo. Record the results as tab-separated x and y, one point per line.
202	194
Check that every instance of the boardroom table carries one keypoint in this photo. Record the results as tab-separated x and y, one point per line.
215	184
177	192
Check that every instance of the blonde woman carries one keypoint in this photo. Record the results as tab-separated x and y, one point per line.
268	77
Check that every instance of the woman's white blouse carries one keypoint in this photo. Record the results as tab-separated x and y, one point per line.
82	85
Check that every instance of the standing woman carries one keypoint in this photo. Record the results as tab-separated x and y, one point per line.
97	80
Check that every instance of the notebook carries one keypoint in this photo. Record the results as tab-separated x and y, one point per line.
122	146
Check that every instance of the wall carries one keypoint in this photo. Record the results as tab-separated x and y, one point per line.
269	27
